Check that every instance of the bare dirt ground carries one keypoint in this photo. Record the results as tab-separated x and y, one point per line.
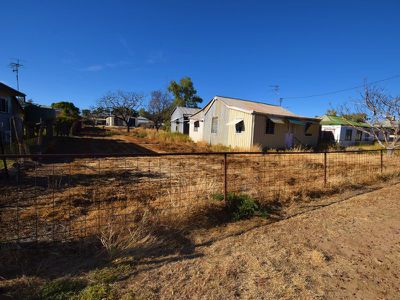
346	250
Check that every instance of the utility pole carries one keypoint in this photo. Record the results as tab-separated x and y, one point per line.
15	68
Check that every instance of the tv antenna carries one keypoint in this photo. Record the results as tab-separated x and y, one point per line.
15	68
276	89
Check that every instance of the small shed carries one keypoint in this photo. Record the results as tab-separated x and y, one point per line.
180	118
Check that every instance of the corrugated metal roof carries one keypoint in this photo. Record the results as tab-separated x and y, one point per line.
334	120
188	110
9	90
258	107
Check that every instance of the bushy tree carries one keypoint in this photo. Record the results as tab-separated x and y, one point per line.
67	117
184	92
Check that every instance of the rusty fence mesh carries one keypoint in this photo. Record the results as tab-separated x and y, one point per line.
68	197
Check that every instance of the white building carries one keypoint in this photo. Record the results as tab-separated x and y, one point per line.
196	125
180	118
133	122
344	132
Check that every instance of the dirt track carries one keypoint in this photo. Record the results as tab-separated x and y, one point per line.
347	250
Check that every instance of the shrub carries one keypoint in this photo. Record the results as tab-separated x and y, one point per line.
108	274
240	206
63	288
96	292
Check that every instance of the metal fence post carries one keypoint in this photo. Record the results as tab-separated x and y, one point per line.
325	168
225	178
381	160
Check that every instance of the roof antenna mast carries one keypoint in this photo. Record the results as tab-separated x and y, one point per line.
276	89
15	68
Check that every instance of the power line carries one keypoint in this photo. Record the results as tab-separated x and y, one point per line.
343	90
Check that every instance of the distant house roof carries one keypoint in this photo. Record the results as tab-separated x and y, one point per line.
334	120
10	91
253	107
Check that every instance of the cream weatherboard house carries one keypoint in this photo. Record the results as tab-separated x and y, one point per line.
242	123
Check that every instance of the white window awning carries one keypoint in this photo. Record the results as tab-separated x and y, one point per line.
234	122
277	120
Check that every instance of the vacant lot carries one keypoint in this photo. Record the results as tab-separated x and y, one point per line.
349	249
150	227
346	250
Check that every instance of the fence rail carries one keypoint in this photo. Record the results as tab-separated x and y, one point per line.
60	197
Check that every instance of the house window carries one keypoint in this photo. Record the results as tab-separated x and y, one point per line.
358	135
366	137
214	125
3	105
349	134
196	126
270	127
307	128
239	127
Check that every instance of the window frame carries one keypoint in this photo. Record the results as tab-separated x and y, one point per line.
236	127
307	127
269	126
196	128
6	106
346	138
214	125
359	134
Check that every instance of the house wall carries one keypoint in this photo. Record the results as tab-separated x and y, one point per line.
300	137
277	140
274	141
339	132
5	124
196	136
226	134
177	121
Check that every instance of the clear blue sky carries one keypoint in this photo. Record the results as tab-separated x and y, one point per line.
78	50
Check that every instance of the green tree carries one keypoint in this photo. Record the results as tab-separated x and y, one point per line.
184	92
67	117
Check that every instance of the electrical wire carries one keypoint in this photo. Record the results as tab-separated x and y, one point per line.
343	90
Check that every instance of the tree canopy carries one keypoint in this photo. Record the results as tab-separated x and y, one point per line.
184	93
121	104
159	108
67	116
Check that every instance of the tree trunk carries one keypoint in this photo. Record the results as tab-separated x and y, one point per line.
128	128
390	151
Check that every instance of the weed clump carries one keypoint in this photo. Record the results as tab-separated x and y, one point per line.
60	289
241	206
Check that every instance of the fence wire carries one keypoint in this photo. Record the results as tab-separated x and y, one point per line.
61	198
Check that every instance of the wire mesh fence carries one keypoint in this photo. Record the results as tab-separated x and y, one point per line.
68	197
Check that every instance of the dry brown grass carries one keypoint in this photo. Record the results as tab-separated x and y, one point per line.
163	206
